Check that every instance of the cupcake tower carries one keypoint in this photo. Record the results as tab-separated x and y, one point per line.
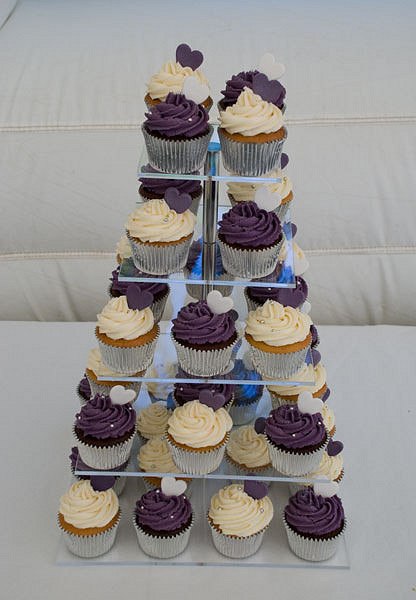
190	428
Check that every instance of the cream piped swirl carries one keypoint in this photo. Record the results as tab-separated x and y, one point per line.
328	417
247	447
245	192
153	419
170	78
307	373
123	248
251	115
83	507
118	321
96	365
154	221
330	467
236	513
278	325
198	426
155	457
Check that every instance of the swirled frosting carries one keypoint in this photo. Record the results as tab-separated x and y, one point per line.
251	115
186	392
287	426
198	426
248	448
236	513
153	419
307	373
102	419
119	288
245	192
96	365
83	507
84	388
154	221
248	225
155	457
330	467
196	324
177	116
118	321
278	325
294	297
328	417
163	513
159	186
237	83
123	248
300	262
308	513
170	79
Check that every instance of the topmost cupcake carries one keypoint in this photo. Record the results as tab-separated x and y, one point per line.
171	76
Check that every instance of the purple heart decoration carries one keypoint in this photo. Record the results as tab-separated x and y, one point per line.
294	229
256	489
315	336
177	201
260	425
233	314
326	395
101	483
214	401
316	356
334	448
284	160
138	299
269	90
189	58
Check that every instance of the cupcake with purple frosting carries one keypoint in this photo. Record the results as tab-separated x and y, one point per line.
163	519
84	390
249	238
104	430
177	134
315	522
193	270
186	392
295	297
78	465
152	188
237	83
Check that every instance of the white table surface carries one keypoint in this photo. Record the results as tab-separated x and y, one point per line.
370	372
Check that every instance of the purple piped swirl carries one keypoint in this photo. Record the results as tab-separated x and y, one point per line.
294	297
119	288
310	514
287	426
197	324
186	392
237	83
102	419
177	116
159	186
248	225
84	388
163	513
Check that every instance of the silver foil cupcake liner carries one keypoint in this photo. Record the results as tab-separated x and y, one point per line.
277	366
250	159
251	304
160	260
90	546
197	290
236	547
249	263
290	463
204	363
158	306
104	458
244	413
281	210
162	547
177	156
128	361
197	463
277	400
310	549
149	486
103	388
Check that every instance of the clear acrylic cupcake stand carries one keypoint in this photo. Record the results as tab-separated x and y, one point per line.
274	551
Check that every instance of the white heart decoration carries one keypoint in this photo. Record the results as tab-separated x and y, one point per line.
218	303
306	307
119	395
173	487
327	490
308	404
193	90
265	199
270	67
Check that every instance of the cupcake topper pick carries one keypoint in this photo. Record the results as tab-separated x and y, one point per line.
172	487
270	67
327	489
214	401
308	404
138	299
189	58
101	483
260	425
255	489
194	90
284	160
334	447
268	89
218	303
119	395
177	201
265	199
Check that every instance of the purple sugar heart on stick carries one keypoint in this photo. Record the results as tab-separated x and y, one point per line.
284	159
294	229
177	201
138	299
214	401
256	489
187	57
260	424
316	356
269	90
334	448
101	483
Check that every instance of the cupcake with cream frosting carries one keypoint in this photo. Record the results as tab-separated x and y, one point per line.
88	519
237	83
96	368
152	188
152	420
160	236
279	338
288	394
251	132
331	467
84	390
123	250
247	451
155	457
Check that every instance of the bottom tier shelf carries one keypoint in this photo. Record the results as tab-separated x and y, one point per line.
200	552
